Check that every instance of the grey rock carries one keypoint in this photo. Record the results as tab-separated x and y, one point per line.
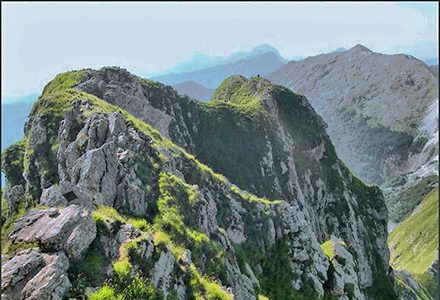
34	275
117	123
73	194
19	267
52	197
163	271
179	288
434	268
345	272
112	242
13	196
97	127
135	198
51	282
38	133
96	171
71	229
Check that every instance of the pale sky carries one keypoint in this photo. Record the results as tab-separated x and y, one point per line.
40	40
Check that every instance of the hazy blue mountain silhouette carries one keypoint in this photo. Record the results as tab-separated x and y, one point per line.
211	71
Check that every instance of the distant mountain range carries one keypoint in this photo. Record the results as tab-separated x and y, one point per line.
194	90
201	61
434	69
260	61
14	113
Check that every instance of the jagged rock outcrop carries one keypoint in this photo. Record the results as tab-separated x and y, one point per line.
205	236
35	275
342	271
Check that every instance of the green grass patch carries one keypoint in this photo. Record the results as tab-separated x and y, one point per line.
410	199
64	81
5	208
107	213
8	226
104	293
414	242
12	163
429	287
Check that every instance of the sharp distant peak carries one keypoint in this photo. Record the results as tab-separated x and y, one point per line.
264	48
358	48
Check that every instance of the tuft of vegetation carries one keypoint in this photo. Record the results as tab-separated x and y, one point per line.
328	248
12	163
104	293
7	227
107	213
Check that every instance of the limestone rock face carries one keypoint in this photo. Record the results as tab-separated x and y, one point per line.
95	162
39	133
52	197
96	171
119	87
370	101
162	271
35	275
52	281
71	229
344	279
13	196
434	268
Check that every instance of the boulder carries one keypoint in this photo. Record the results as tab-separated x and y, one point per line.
51	282
35	275
71	229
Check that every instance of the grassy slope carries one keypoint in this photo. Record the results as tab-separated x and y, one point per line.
410	199
414	242
429	288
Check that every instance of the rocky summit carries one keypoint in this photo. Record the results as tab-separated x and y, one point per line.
122	189
377	107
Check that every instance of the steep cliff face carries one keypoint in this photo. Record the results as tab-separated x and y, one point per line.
375	106
131	214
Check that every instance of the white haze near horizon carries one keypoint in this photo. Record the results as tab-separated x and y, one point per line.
40	40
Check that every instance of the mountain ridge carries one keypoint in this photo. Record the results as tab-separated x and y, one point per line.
190	224
212	76
194	90
200	60
357	89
